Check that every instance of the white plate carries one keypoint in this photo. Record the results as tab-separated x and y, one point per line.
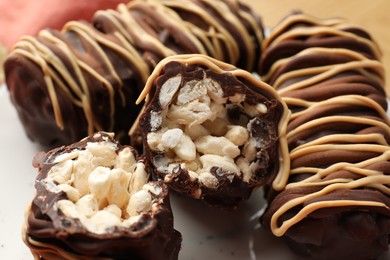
208	233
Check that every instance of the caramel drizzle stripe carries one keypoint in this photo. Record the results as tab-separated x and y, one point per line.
83	95
110	90
332	119
33	54
377	50
177	22
255	27
279	231
228	39
181	25
48	80
225	12
320	184
43	55
312	51
354	167
296	19
217	66
137	32
210	39
297	102
339	100
59	65
318	174
93	39
371	177
169	16
346	138
131	53
318	30
324	72
314	170
372	142
381	187
115	18
345	99
343	147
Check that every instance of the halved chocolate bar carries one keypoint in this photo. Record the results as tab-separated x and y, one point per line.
212	131
95	200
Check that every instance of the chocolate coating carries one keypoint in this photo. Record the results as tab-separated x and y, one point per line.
85	77
50	233
336	202
307	31
236	89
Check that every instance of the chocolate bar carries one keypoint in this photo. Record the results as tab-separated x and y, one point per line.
336	202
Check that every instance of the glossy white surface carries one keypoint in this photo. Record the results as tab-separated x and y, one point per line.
208	233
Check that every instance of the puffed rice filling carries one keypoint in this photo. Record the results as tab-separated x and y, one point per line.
104	188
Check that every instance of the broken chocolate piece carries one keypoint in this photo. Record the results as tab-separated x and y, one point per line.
212	131
95	200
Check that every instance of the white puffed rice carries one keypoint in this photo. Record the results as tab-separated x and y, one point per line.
197	134
101	185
